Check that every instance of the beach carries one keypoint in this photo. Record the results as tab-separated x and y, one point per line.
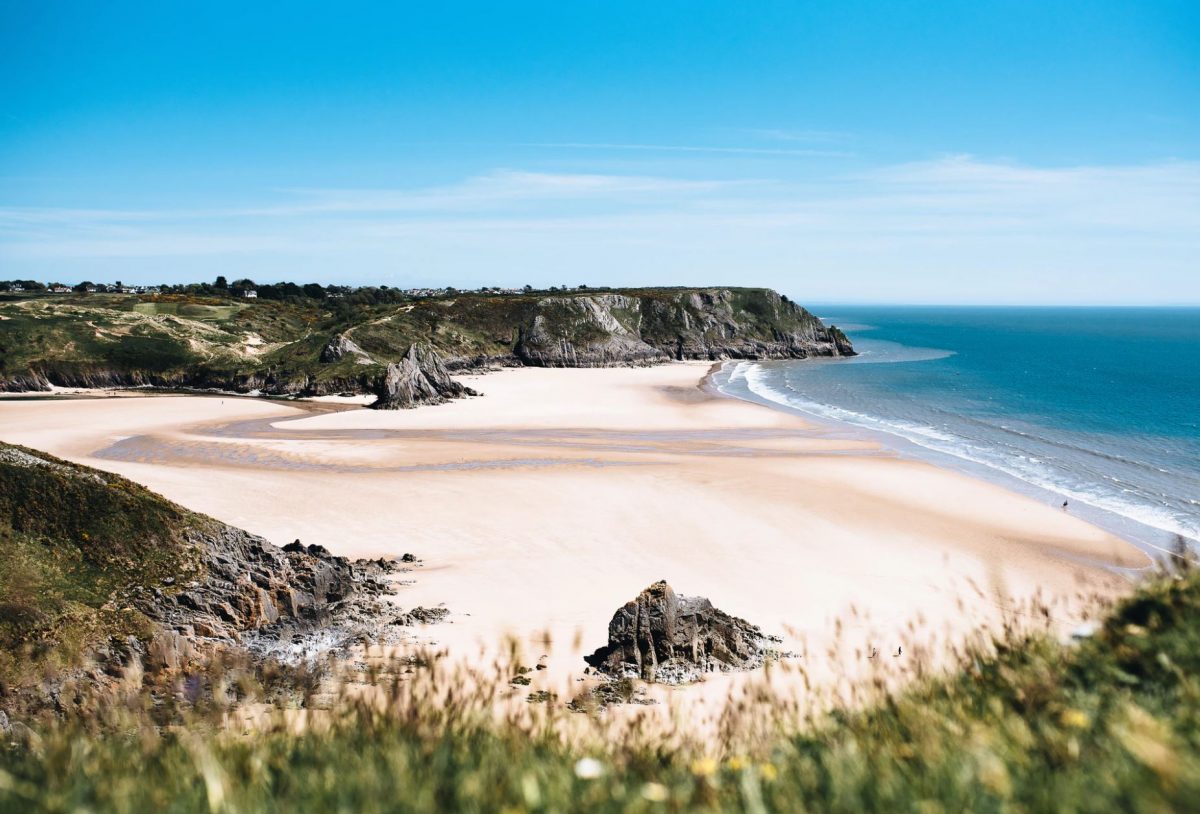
543	505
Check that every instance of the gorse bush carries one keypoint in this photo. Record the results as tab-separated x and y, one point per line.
1029	724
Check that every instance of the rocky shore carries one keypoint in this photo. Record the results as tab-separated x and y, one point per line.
293	604
105	580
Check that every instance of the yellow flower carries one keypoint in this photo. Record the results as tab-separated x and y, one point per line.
768	772
704	767
736	764
1075	719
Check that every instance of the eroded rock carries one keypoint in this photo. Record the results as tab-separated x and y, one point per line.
419	378
663	637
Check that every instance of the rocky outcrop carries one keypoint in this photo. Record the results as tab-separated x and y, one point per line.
663	637
287	603
250	584
418	378
340	346
31	382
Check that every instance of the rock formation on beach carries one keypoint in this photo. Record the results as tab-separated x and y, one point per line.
663	637
418	378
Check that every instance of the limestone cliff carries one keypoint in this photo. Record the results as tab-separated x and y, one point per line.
620	329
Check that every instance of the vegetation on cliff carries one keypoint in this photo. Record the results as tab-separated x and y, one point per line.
298	343
74	544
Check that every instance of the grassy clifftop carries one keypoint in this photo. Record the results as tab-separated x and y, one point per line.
277	346
76	544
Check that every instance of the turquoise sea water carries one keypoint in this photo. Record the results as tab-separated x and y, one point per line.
1097	406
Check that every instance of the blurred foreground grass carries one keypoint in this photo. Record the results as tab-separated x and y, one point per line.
1109	724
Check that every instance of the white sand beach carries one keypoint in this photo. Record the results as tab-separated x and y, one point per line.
541	507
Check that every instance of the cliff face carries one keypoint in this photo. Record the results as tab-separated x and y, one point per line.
310	348
618	329
594	331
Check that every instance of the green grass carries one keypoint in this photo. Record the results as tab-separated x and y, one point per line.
1112	724
206	313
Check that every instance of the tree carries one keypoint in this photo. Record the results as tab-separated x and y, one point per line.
221	283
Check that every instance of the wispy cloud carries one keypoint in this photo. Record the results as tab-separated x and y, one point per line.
497	189
920	230
805	136
689	148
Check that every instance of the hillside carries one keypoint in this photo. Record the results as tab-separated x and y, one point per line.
97	572
314	346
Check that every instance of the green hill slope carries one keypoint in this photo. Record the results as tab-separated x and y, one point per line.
288	346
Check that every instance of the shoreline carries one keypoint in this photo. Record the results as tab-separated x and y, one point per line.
558	496
1150	539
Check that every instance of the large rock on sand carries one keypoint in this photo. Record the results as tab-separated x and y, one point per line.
419	378
664	637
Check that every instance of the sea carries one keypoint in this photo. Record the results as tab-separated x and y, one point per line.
1098	407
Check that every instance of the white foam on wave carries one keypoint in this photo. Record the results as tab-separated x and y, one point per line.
738	371
1027	468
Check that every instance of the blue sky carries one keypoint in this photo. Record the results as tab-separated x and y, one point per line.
1004	152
